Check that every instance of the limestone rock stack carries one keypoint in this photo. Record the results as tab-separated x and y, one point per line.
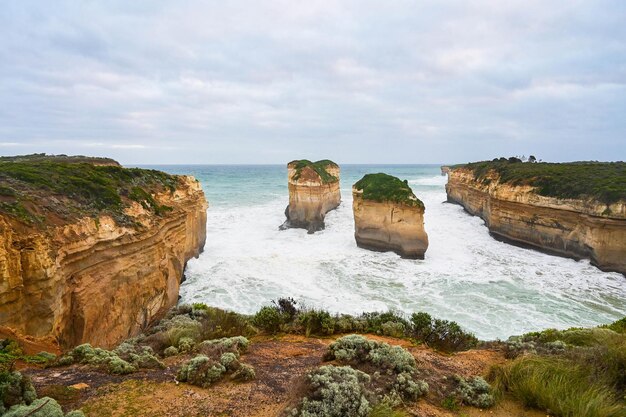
388	216
313	192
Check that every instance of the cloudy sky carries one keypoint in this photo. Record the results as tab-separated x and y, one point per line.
430	81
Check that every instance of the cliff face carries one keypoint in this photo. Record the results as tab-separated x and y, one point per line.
310	197
573	228
389	226
92	280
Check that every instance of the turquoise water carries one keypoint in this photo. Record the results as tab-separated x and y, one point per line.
491	288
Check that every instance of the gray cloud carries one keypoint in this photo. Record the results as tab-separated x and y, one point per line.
356	81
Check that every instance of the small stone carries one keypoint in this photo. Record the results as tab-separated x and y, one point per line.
80	386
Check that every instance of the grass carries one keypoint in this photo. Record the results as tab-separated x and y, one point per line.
601	181
559	385
78	188
382	187
587	378
319	167
40	157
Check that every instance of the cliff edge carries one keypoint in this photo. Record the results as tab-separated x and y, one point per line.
313	192
388	216
577	210
93	253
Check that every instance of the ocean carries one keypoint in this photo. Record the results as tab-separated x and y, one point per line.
489	287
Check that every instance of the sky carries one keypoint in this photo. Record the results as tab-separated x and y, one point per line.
223	82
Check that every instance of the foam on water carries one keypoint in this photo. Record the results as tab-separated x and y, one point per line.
489	287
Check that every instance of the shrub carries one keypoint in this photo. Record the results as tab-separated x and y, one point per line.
444	335
268	318
335	392
237	345
287	306
201	371
244	373
43	407
317	322
125	359
185	344
230	361
170	351
358	349
408	388
475	391
393	329
15	389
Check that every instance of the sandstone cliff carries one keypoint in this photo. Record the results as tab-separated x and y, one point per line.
576	228
388	216
97	276
313	192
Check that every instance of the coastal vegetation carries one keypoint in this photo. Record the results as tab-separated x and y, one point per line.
602	181
32	188
320	167
383	187
574	372
285	316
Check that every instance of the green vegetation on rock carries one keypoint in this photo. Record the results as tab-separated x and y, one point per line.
319	167
71	189
10	352
602	181
383	187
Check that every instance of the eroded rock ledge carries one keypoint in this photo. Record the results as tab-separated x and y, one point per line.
81	277
575	228
313	192
388	216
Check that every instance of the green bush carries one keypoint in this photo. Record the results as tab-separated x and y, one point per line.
201	371
170	351
475	392
269	319
335	392
244	373
357	349
15	389
317	322
125	359
444	335
236	345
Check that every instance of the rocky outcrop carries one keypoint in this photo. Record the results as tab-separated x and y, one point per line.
313	192
386	221
575	228
444	170
94	280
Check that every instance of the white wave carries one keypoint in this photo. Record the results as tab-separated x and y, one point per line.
491	288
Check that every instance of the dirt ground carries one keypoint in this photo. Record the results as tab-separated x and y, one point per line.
280	365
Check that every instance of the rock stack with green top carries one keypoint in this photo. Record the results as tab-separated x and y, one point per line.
388	216
313	192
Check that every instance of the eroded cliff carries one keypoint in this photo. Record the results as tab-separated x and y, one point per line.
571	227
388	216
80	272
313	192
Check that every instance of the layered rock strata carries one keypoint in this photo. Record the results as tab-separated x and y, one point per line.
93	279
575	228
388	220
313	192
